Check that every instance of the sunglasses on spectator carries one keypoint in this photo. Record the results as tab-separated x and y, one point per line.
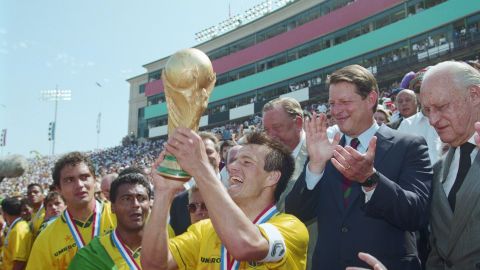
192	207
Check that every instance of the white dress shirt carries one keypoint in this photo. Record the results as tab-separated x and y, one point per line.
418	124
299	145
312	179
452	173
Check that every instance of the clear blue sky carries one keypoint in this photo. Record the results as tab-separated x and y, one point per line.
74	44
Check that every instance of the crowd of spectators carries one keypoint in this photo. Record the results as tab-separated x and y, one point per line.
131	153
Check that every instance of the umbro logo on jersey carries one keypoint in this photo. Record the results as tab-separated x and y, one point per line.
210	260
59	252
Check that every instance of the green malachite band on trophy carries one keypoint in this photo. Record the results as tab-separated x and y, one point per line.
170	169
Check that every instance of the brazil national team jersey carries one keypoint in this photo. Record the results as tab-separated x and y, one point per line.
200	248
102	253
55	246
37	220
17	244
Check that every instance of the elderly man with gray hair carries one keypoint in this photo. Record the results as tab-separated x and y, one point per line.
283	121
406	103
450	94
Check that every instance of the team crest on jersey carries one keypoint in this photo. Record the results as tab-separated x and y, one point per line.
254	264
278	249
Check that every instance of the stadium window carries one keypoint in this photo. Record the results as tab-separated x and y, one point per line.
473	24
315	47
142	130
243	43
232	76
382	22
259	37
222	79
275	31
141	113
399	15
341	39
354	32
246	71
292	55
303	51
431	3
156	99
219	53
326	43
291	25
155	75
279	60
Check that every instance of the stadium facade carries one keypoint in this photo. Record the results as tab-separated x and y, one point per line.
290	52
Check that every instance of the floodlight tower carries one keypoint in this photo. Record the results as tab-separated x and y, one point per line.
55	95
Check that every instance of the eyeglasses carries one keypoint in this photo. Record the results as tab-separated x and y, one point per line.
192	207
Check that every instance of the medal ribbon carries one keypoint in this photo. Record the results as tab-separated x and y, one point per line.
37	215
124	251
97	214
10	228
264	216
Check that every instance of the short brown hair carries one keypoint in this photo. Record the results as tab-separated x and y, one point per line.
363	79
52	196
72	158
278	158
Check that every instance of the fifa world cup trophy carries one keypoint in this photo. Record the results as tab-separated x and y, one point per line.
188	80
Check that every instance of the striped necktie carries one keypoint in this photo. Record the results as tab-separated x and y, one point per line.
346	183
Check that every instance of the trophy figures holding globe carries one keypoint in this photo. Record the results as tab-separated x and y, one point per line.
188	80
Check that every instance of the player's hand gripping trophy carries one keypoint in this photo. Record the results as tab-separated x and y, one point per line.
188	80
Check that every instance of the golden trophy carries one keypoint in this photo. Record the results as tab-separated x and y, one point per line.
188	80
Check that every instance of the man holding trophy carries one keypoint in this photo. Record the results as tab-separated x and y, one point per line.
245	228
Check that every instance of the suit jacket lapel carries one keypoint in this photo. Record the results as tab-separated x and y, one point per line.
467	199
441	213
448	163
384	142
442	196
300	161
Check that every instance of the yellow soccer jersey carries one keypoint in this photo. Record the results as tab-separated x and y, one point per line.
37	220
171	232
55	246
200	247
115	255
102	253
18	245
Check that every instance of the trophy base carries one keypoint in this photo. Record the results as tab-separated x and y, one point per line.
171	170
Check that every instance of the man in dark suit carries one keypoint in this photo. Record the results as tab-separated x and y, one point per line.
450	94
370	199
